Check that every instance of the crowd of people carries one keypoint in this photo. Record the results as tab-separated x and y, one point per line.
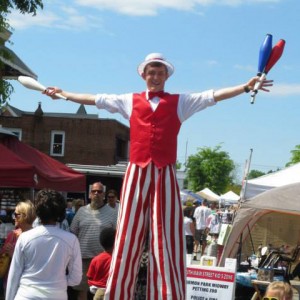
49	261
202	225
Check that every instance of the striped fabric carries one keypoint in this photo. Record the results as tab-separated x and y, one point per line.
150	201
87	225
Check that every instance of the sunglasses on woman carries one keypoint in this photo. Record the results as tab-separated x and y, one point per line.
270	298
15	215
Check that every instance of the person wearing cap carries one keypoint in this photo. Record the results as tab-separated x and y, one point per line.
150	199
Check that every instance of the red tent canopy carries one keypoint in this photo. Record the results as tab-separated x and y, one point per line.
12	165
48	172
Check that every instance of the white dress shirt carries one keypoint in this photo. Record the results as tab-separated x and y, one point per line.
188	104
46	260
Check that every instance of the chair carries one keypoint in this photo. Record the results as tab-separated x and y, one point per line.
269	260
275	258
289	260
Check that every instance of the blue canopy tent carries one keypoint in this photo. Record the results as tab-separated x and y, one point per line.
189	195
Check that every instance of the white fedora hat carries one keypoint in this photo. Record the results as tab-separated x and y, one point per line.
155	57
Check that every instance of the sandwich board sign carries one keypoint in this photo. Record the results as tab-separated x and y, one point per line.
210	283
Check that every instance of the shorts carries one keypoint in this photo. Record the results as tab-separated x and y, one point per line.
189	239
83	285
99	294
200	235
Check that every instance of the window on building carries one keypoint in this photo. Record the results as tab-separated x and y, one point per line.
121	149
57	143
17	132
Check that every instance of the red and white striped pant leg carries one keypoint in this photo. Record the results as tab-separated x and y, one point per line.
132	225
167	254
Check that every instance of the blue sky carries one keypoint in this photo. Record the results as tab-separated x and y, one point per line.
95	46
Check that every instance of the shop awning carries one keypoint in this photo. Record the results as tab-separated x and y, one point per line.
12	165
13	65
48	172
109	171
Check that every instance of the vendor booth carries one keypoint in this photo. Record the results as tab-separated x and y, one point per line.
229	198
271	221
209	195
271	218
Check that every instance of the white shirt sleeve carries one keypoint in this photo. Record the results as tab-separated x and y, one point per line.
15	272
192	103
75	265
115	103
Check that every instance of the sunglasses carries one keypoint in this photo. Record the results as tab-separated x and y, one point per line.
15	215
96	191
270	298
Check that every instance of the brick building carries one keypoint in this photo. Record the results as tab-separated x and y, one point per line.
96	147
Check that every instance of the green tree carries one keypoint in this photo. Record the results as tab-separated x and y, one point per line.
295	156
236	188
178	165
254	174
210	167
24	6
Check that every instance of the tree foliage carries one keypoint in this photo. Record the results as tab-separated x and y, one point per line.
236	188
24	6
6	6
210	167
254	174
178	165
295	156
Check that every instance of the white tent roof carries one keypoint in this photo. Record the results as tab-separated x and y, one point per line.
209	195
285	199
230	197
283	177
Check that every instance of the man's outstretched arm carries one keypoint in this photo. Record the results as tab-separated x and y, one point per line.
230	92
86	99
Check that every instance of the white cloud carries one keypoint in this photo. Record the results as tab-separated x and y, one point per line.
20	21
286	89
145	7
65	17
212	62
65	13
249	68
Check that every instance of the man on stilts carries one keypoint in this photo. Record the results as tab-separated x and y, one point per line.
150	198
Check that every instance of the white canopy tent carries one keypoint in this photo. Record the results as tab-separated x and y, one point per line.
209	195
229	198
276	179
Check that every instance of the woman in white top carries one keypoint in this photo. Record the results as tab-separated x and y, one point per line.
189	229
46	259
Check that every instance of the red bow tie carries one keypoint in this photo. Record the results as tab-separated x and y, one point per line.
159	94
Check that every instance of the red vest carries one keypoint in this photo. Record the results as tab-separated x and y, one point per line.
153	134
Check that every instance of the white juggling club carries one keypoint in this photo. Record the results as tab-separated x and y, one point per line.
32	84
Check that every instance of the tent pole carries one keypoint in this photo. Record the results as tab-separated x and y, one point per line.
251	239
246	173
239	252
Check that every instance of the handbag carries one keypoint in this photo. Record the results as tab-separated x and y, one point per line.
5	258
4	264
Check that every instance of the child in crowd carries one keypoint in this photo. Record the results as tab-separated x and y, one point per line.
279	290
99	268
